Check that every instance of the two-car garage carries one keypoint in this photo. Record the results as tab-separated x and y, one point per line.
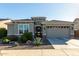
56	29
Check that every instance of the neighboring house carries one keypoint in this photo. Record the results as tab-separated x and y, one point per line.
76	24
50	29
2	23
76	27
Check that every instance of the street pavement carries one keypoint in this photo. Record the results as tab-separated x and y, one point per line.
41	52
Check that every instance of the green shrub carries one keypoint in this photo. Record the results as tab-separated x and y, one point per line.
3	32
13	37
5	40
26	36
37	41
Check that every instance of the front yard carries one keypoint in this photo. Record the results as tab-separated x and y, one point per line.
25	41
46	45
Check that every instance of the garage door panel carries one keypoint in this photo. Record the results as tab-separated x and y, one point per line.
58	32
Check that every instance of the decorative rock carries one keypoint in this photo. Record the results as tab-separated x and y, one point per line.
13	43
28	42
16	43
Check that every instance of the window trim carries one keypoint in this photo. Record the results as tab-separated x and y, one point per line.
23	28
18	29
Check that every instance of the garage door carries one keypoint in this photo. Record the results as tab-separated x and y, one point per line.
53	32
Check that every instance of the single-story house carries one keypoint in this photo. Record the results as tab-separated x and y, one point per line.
50	29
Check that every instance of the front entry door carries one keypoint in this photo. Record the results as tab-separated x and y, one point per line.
38	31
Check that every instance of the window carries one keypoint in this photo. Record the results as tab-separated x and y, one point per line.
67	26
23	28
50	26
53	26
64	26
47	26
61	26
20	29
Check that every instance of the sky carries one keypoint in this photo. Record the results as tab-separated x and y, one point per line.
53	11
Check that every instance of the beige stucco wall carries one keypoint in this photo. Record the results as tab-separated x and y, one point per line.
10	29
2	23
76	24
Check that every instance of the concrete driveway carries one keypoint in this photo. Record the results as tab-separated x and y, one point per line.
64	43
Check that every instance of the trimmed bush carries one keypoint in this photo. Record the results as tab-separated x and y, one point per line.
3	32
5	40
13	37
25	37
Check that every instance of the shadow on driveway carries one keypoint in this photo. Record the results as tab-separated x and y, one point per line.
58	41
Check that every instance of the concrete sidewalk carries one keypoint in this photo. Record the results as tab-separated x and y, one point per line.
41	52
74	42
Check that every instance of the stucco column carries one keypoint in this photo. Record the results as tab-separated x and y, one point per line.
71	31
44	31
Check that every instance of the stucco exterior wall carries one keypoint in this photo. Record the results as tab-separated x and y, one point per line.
10	29
76	25
2	23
